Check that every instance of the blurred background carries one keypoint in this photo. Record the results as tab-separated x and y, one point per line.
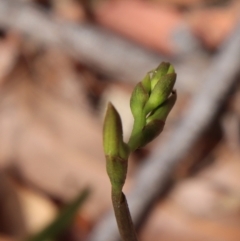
61	61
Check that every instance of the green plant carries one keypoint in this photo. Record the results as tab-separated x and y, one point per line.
151	101
62	221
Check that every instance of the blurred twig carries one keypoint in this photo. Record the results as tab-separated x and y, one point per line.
88	43
156	172
12	221
87	6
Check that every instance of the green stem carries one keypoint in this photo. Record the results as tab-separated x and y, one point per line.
123	217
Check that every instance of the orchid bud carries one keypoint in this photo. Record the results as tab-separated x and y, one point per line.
151	102
160	71
138	100
160	92
116	151
163	110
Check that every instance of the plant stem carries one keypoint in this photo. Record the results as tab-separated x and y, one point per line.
123	217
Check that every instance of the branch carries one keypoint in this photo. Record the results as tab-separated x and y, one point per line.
12	221
89	44
217	83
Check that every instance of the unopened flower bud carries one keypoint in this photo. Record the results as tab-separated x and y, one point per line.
151	102
116	151
160	71
151	131
138	100
160	92
163	110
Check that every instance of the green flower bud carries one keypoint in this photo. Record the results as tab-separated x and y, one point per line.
116	151
171	69
163	110
112	132
160	93
151	131
146	82
160	71
151	103
138	100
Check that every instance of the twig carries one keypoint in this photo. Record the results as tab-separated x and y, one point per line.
219	79
12	221
88	43
99	49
